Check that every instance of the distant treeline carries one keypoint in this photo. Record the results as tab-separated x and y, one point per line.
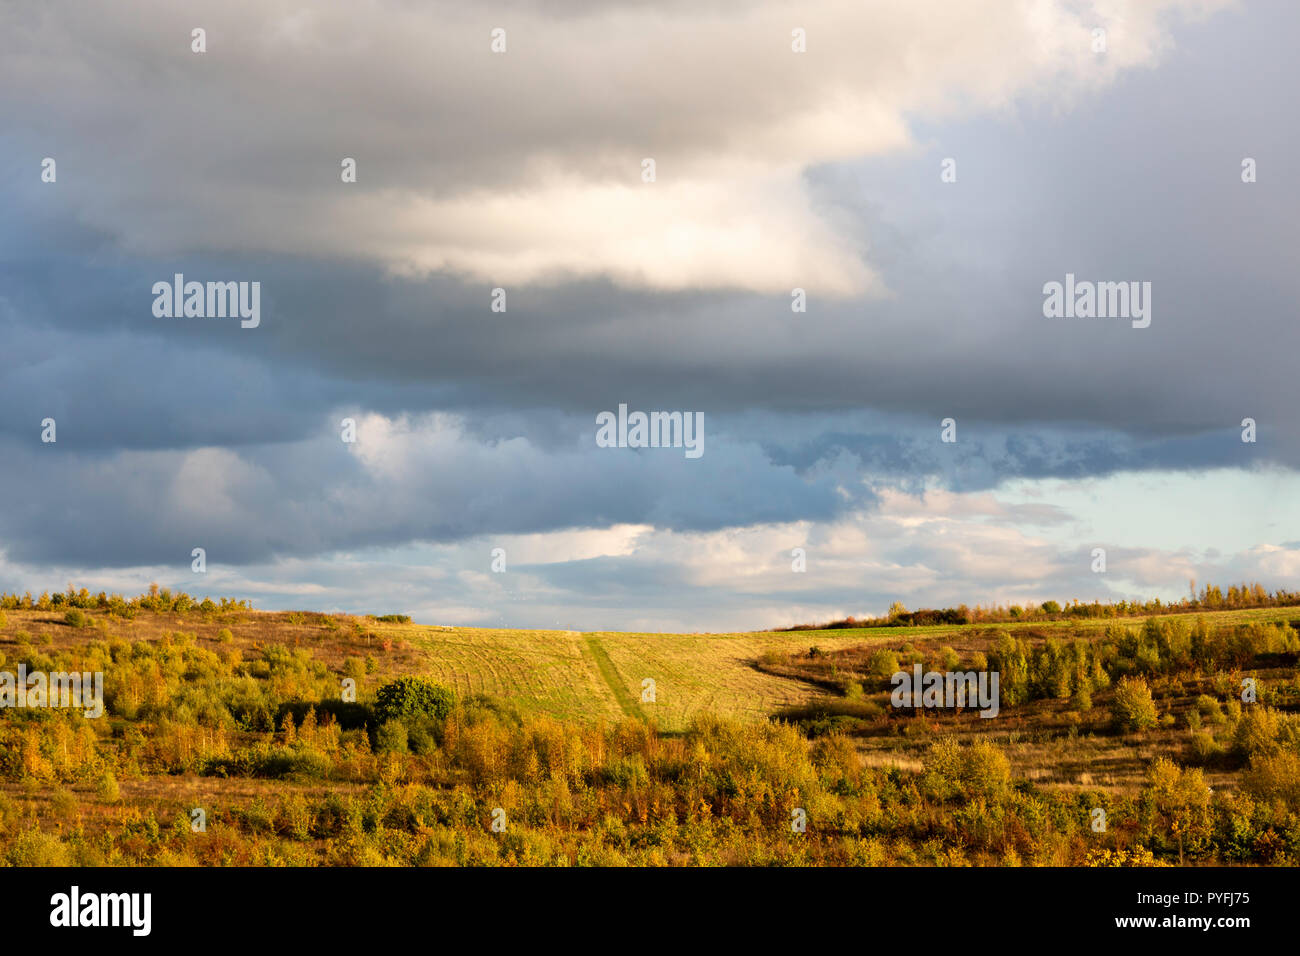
157	600
1209	598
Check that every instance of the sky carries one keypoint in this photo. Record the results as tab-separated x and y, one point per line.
507	266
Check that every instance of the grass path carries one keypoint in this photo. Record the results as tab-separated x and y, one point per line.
605	665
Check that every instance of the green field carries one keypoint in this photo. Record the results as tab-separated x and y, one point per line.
584	676
589	675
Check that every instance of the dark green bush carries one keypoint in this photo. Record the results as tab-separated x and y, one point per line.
408	697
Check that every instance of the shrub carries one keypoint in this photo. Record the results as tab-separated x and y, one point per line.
1257	732
1276	777
943	765
34	848
986	770
421	737
953	770
1204	747
76	618
308	763
395	618
224	636
391	737
107	789
1209	709
883	663
355	668
627	772
1132	706
413	697
63	805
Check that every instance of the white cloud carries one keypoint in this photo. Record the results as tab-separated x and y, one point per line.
525	166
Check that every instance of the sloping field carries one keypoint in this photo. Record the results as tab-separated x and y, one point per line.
577	675
566	674
599	675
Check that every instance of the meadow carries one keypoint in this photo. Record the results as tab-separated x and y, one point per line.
465	746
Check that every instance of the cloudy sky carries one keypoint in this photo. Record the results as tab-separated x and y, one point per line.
829	170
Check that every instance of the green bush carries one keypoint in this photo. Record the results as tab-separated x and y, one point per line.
1209	709
106	789
391	737
422	737
1132	707
76	618
883	663
413	697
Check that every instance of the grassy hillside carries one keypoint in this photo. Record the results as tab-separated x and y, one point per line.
242	714
564	674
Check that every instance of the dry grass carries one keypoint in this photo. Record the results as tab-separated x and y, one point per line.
748	676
